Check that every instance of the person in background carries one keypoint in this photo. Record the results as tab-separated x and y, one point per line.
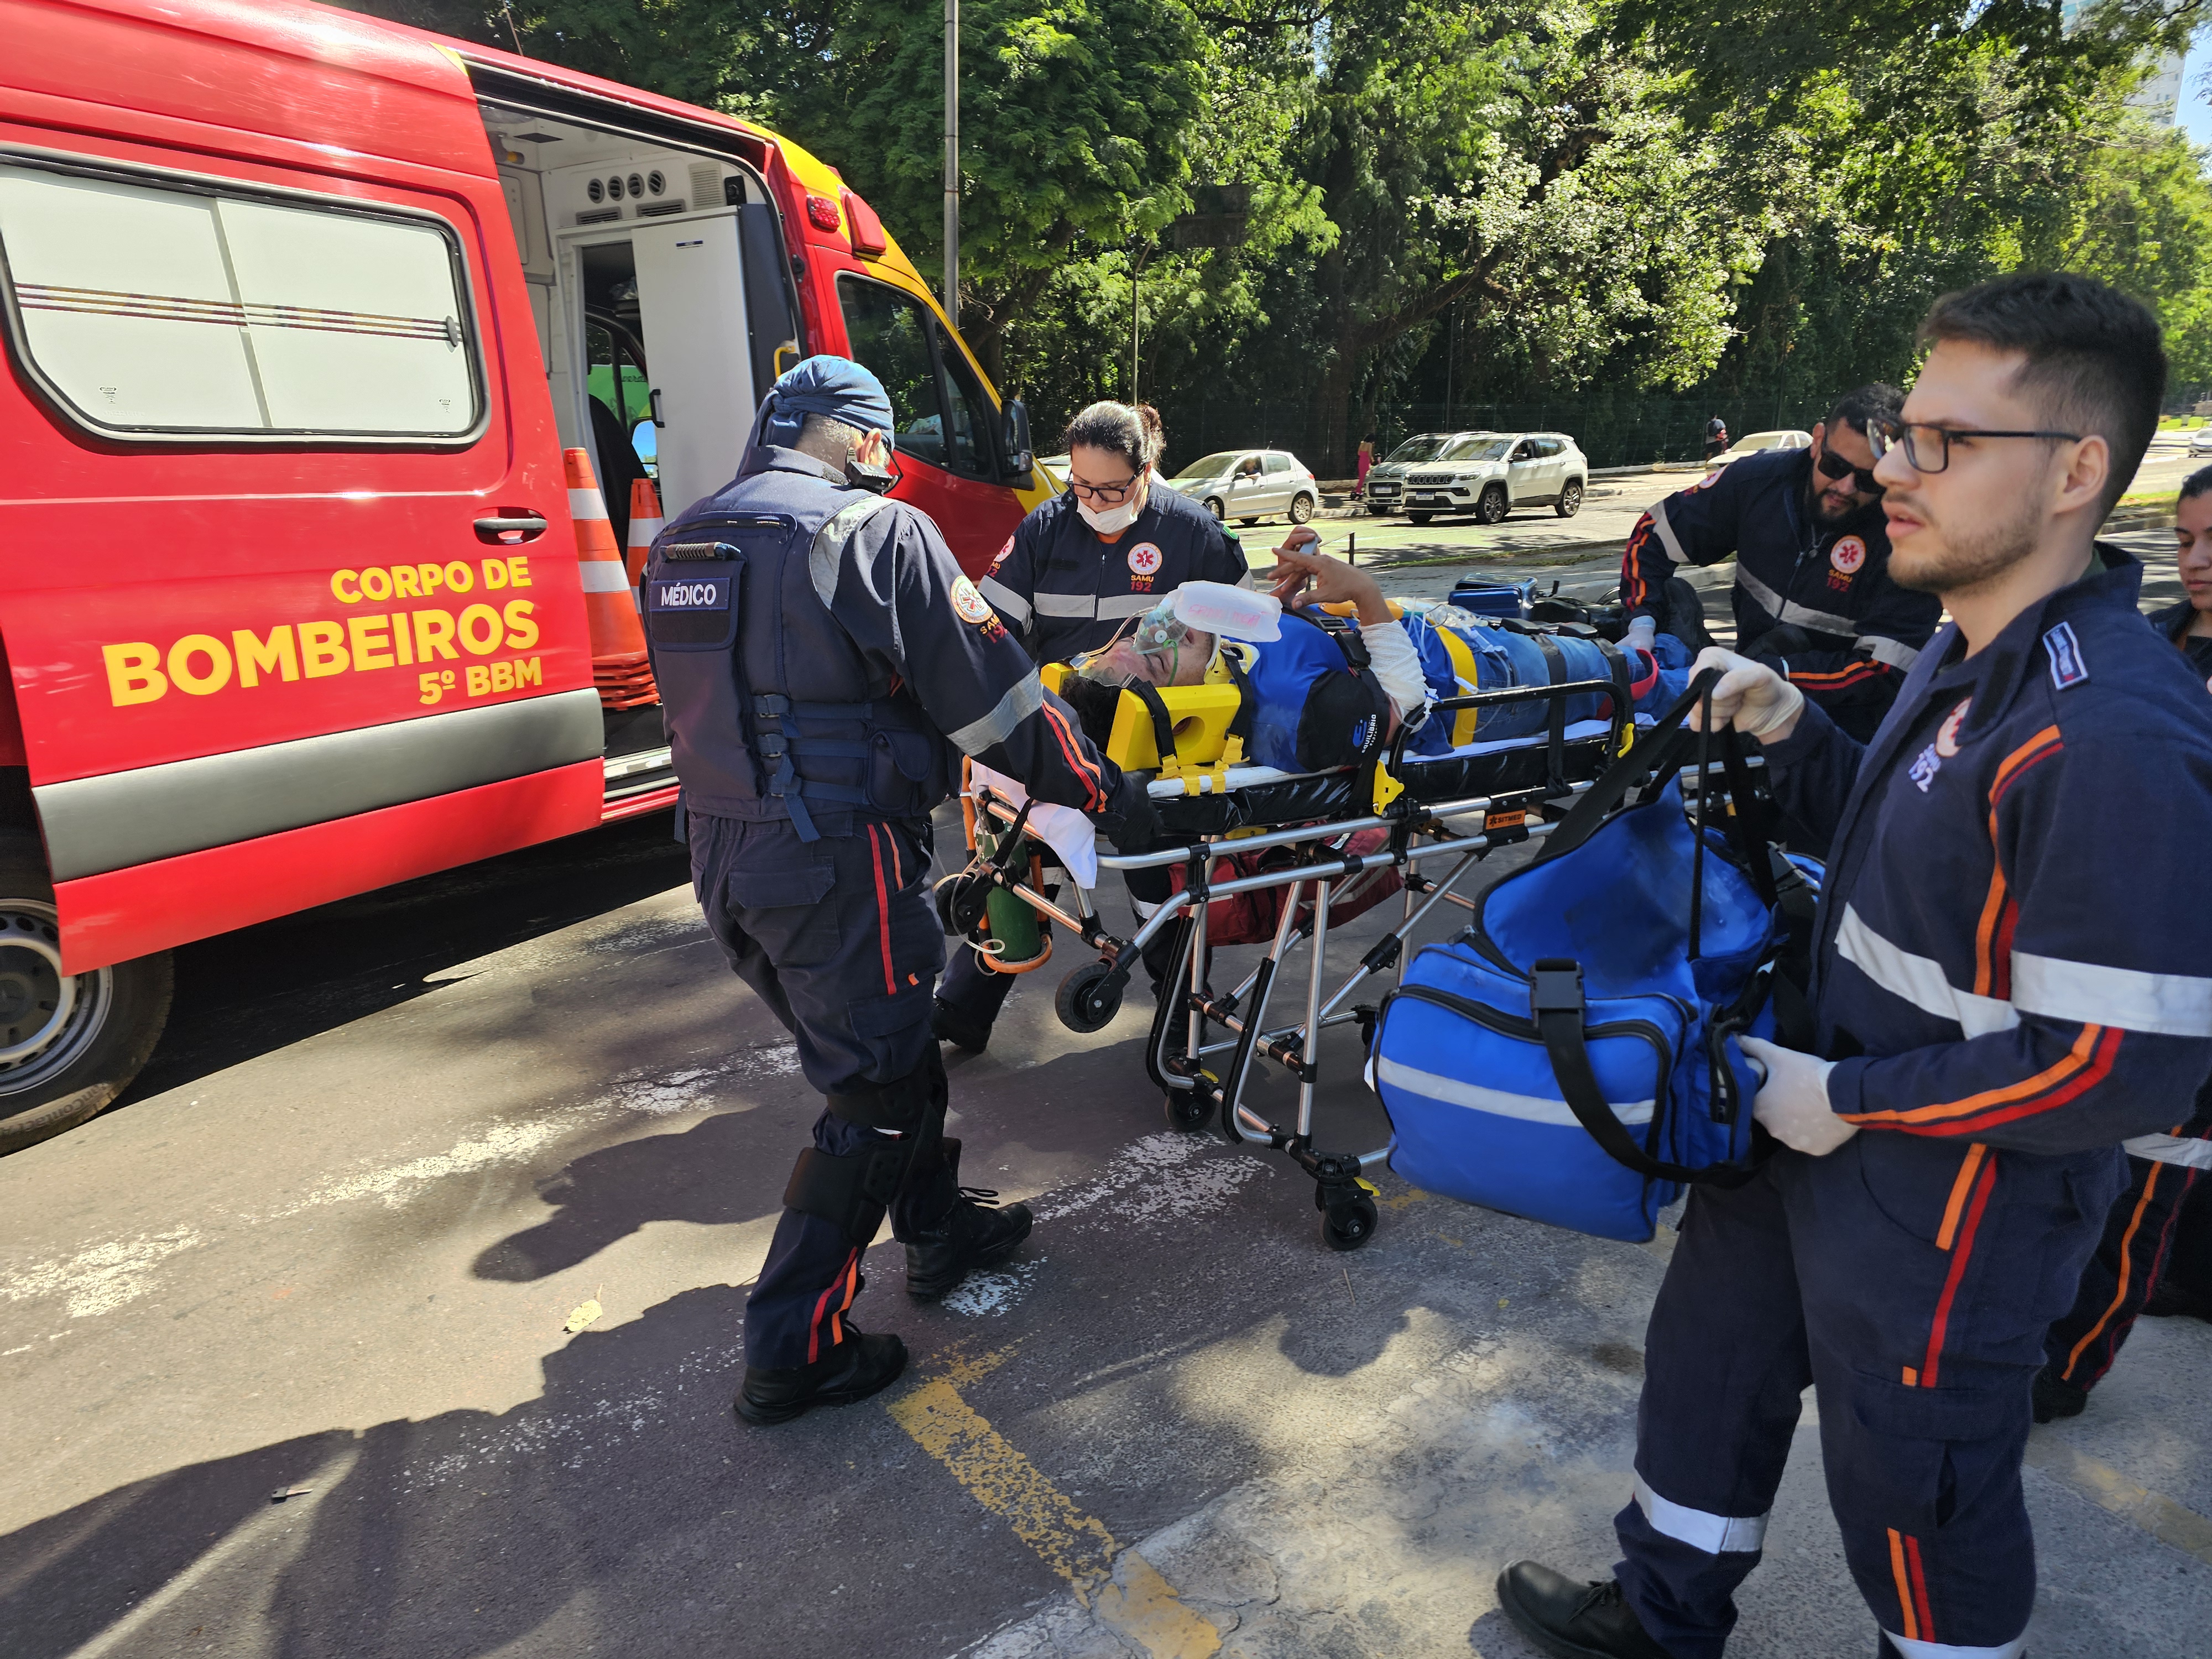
1716	438
1366	465
1813	595
1076	572
2003	992
2135	1263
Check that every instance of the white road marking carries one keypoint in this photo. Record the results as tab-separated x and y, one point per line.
101	1278
1162	1176
991	1294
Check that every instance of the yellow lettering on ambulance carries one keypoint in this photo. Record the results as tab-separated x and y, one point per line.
528	672
404	582
278	656
342	579
321	651
521	632
180	665
376	584
371	641
479	679
495	573
517	570
460	579
430	575
481	617
502	676
434	635
134	673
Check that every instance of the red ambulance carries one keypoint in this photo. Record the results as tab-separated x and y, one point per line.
302	311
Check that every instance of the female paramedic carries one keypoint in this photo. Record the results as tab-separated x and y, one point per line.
1075	573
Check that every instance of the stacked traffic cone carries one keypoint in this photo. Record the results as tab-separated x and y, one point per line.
619	667
644	525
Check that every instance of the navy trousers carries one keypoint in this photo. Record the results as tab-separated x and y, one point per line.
2129	1260
1908	1282
837	937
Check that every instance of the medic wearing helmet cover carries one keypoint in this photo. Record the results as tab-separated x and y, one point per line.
824	664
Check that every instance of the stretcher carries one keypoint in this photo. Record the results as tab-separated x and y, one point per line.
1441	816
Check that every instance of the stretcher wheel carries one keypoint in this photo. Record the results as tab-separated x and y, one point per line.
1347	1226
1188	1109
1089	998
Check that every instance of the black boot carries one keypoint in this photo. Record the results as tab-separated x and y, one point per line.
974	1233
2055	1397
1572	1619
948	1024
857	1367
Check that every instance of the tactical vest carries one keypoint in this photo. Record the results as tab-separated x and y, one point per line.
771	710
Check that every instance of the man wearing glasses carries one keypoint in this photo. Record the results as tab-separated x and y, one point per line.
2001	996
1812	595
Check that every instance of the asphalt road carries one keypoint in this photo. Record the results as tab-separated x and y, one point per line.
330	1246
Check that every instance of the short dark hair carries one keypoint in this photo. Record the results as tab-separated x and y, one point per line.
1873	401
2196	484
2095	361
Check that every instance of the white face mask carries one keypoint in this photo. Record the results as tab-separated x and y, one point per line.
1111	521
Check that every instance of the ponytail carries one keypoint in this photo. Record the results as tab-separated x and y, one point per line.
1133	433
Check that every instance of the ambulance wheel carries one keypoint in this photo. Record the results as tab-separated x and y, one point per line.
1302	509
1570	500
1188	1109
1492	507
1213	505
1419	518
1087	1000
1348	1227
69	1043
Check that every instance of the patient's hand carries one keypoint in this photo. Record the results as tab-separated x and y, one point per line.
1305	575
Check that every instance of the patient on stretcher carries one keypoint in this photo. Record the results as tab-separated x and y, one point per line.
1327	693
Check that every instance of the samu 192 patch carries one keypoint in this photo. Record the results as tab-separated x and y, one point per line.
972	606
2067	666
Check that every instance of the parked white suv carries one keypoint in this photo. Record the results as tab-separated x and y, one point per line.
1247	484
1491	473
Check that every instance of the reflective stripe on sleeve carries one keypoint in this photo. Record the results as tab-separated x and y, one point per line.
1006	601
1894	653
1127	604
1912	1649
1667	537
1025	698
1082	606
1919	980
2189	1152
1789	611
1716	1534
825	555
2173	1005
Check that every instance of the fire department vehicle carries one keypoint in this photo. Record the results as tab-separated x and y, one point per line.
332	350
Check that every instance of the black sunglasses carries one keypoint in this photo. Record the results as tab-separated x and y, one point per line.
1835	467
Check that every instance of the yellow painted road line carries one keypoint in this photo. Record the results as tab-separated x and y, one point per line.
2107	1487
1120	1586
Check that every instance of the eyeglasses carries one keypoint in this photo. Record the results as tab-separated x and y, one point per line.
1927	447
1113	494
1835	467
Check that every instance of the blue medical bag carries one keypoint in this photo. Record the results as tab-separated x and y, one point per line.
1570	1056
1492	599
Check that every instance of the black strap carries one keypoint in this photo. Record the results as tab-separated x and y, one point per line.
1247	705
1667	749
1556	1000
1555	747
1162	722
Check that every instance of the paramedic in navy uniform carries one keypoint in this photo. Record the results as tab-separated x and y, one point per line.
824	663
2001	995
1075	573
1813	594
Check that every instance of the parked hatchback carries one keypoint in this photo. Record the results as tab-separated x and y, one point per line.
1386	479
1249	484
1491	473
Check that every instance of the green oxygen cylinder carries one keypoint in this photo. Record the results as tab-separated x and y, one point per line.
1020	937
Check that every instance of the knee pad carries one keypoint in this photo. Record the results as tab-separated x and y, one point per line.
903	1106
852	1191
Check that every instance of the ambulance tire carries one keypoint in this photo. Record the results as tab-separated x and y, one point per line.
116	1017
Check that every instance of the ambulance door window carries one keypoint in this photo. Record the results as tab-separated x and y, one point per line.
968	409
888	333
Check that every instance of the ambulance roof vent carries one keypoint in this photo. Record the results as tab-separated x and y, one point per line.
706	182
656	209
599	216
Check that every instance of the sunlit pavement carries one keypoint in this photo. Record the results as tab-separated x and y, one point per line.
392	1149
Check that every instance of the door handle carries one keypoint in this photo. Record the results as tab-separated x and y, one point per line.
653	399
510	526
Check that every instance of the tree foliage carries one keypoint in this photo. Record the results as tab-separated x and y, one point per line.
1521	199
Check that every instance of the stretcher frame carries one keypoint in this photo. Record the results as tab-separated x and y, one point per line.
1421	831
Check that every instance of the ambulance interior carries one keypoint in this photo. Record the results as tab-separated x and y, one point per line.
664	307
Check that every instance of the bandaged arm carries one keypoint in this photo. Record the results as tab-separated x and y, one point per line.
1397	666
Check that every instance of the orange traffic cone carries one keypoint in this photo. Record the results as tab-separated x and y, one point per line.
619	667
644	525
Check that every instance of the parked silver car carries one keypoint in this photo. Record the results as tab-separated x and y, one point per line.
1249	484
1386	479
1491	473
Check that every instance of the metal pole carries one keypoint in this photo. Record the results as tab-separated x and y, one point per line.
953	162
1136	315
